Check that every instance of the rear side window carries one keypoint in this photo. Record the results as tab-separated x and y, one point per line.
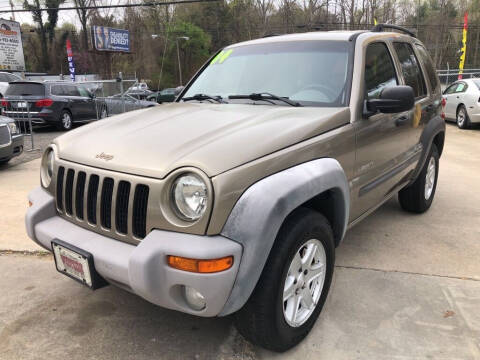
26	89
4	78
57	90
71	90
411	69
451	89
379	70
430	68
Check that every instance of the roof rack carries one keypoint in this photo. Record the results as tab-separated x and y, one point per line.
382	27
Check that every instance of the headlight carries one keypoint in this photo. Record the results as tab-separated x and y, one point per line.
190	196
46	172
13	128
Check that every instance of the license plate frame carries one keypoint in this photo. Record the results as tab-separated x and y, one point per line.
91	279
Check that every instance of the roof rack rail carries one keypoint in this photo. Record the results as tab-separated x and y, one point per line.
382	27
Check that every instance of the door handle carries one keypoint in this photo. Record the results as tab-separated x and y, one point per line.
401	120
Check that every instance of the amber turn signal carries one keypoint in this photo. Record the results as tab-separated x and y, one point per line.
200	266
30	204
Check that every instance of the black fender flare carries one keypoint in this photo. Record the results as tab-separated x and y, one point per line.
258	215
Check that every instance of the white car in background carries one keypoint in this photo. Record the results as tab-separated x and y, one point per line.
462	102
5	78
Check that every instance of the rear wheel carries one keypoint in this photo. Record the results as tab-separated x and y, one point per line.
3	162
418	197
463	121
294	284
66	121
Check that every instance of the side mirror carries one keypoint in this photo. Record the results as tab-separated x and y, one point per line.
178	90
392	100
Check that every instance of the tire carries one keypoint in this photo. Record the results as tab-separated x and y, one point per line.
417	198
463	121
65	121
264	319
103	113
3	162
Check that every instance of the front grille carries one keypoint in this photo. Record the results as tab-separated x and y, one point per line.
122	206
4	135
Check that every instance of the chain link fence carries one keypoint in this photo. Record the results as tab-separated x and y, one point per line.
64	103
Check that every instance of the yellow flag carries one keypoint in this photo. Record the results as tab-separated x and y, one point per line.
464	47
375	21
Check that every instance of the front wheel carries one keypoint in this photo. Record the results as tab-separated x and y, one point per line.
418	197
294	284
103	113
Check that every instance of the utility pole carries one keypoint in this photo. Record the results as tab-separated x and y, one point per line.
186	38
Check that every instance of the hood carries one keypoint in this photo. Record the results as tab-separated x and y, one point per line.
212	137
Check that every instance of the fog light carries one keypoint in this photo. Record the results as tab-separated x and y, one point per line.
194	298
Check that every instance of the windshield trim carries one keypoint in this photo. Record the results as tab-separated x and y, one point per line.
348	84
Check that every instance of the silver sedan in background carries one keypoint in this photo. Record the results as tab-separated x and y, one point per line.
462	102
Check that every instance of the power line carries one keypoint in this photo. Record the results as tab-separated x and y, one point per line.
147	4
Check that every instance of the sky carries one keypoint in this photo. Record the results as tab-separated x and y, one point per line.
67	16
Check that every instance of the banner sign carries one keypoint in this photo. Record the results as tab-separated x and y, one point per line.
464	46
71	64
11	47
109	39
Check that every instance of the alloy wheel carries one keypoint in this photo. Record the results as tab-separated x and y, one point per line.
66	121
304	282
430	178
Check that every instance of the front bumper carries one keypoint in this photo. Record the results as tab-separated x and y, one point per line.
13	149
142	269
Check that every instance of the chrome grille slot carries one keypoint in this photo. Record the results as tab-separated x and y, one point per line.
79	194
69	192
106	203
92	199
60	176
121	211
140	204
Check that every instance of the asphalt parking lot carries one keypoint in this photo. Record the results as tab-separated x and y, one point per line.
405	287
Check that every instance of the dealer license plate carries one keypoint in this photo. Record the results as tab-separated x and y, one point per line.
73	264
22	104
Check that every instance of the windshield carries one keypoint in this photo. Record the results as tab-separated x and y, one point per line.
313	73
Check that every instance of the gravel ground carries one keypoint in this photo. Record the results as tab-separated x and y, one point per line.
41	138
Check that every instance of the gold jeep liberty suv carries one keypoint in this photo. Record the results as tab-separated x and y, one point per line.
233	198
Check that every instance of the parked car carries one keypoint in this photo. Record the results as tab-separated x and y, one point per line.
166	95
115	104
6	78
232	199
139	94
52	103
462	102
138	87
11	140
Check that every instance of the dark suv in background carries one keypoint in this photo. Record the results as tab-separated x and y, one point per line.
57	103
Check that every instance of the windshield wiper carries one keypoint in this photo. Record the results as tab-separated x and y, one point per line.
200	97
266	96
